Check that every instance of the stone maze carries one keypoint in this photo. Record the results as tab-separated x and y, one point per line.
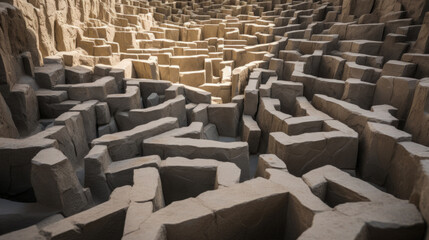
214	119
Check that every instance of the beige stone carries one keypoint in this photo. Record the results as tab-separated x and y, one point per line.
96	163
251	133
397	92
55	183
342	111
417	119
147	187
127	144
126	101
235	152
377	149
267	161
146	69
219	113
404	168
171	108
120	173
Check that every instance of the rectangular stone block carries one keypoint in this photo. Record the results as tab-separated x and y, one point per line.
120	173
251	133
126	101
251	98
235	152
225	117
171	108
16	162
376	151
127	144
78	74
55	183
146	69
49	75
193	78
194	175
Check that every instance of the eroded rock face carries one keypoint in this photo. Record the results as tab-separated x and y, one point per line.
417	119
14	42
16	161
55	183
8	128
214	119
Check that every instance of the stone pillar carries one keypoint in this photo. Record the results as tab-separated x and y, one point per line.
55	183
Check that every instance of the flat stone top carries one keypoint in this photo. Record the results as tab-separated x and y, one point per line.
189	207
415	149
129	92
287	83
285	139
49	156
48	92
10	143
240	193
97	151
148	127
224	105
85	106
118	166
389	130
65	116
193	128
358	81
200	143
199	90
299	120
424	82
79	69
360	188
272	160
146	182
382	116
404	213
185	162
228	174
49	68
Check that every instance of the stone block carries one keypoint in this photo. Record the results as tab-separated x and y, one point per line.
417	121
171	108
49	75
55	183
120	173
78	74
193	78
251	98
74	123
102	113
377	149
359	93
267	161
146	69
127	144
126	101
251	133
225	117
397	92
183	178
